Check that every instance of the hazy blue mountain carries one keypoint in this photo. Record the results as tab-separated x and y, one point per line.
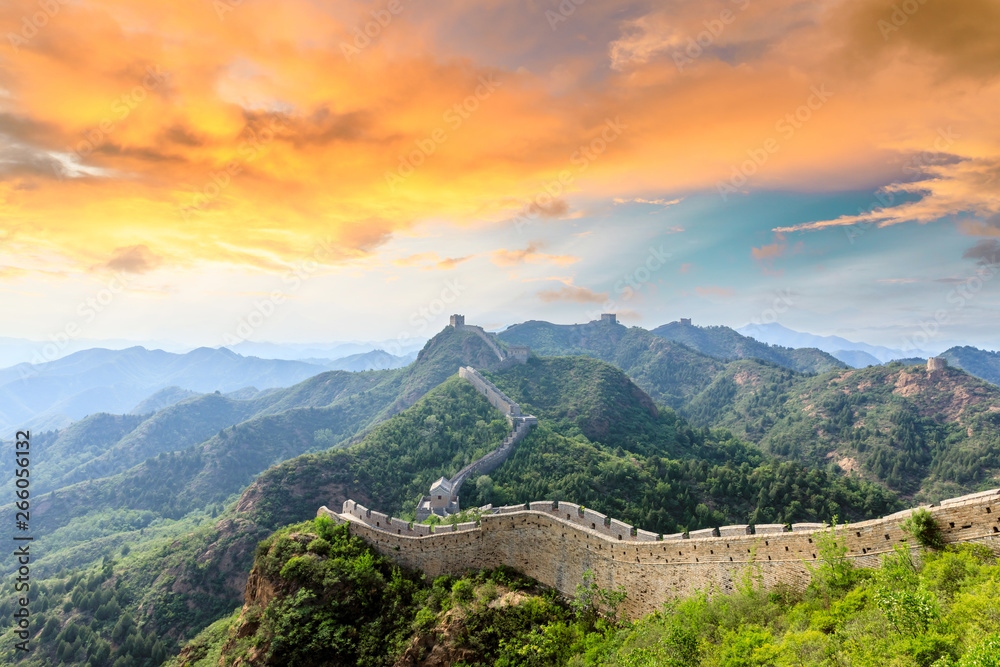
313	352
161	399
101	380
25	351
856	358
775	334
376	360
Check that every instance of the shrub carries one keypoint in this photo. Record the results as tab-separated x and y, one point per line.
319	546
924	529
462	590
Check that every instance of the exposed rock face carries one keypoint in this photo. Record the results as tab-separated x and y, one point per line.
260	592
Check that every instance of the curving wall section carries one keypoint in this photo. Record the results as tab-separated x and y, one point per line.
556	542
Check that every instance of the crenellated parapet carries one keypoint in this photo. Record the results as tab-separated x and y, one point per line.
555	542
497	398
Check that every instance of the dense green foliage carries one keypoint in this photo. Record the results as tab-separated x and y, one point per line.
671	495
339	603
79	618
725	343
669	372
931	437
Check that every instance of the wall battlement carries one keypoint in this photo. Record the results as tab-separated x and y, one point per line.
556	542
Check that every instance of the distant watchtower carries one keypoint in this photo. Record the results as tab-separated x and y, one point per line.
937	363
686	321
457	321
519	353
610	318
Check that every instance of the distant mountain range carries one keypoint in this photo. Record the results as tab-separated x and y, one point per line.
336	350
843	349
140	381
981	363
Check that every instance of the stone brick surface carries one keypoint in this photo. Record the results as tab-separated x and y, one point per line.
544	545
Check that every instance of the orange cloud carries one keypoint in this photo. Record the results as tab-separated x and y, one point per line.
770	252
250	139
573	293
449	263
530	254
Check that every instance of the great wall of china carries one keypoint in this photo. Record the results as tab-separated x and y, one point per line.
556	542
443	498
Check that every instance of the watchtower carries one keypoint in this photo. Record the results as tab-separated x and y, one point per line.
610	318
519	353
686	321
937	363
457	321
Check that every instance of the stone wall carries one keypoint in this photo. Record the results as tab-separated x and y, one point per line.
556	542
487	338
493	460
497	398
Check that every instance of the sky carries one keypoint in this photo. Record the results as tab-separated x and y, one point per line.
212	171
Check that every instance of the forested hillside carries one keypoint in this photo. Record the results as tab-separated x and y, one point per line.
669	372
725	343
981	363
926	435
312	582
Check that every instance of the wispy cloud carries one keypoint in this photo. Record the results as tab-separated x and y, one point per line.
572	293
530	254
712	290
